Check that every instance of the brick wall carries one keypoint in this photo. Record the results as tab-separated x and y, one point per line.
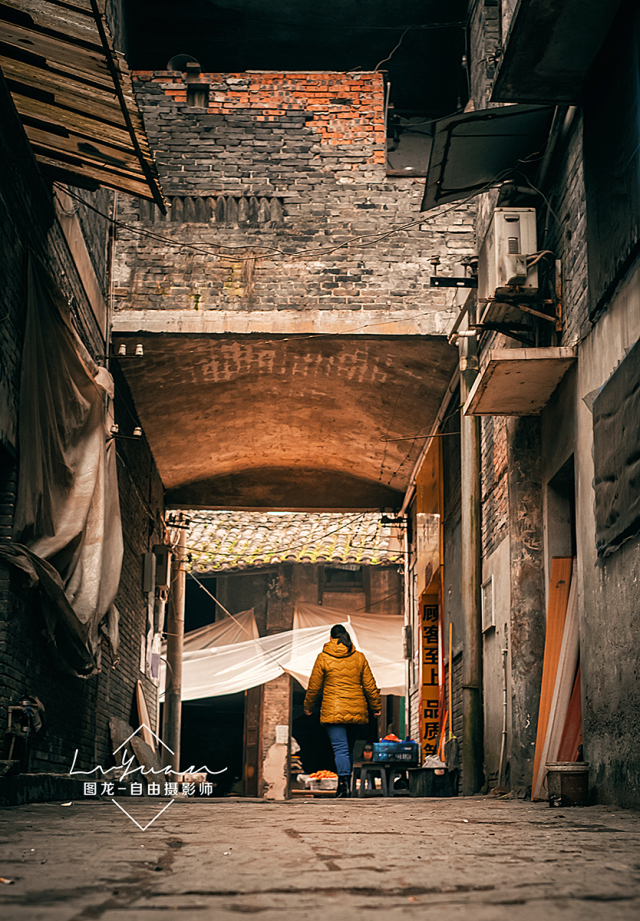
566	232
276	711
279	165
494	482
484	49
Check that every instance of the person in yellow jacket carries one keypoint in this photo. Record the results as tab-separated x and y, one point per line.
342	677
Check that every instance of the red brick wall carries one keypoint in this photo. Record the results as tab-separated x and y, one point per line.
341	109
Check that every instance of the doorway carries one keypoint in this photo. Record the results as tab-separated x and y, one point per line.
213	734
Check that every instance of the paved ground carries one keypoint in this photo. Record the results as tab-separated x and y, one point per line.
455	860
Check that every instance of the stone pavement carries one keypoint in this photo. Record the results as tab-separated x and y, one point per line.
475	859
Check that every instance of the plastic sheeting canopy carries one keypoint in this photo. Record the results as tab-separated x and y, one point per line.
218	670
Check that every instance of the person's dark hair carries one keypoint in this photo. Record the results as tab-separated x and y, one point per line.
339	633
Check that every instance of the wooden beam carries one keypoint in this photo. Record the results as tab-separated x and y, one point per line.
96	130
64	87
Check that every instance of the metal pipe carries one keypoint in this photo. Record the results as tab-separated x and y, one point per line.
175	643
472	718
503	746
408	621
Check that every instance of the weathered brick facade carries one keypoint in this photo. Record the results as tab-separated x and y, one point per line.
494	482
279	188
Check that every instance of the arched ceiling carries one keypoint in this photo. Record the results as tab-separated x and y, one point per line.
246	422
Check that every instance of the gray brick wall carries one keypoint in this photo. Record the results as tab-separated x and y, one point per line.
567	230
269	185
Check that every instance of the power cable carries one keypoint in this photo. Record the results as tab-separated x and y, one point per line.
391	54
215	250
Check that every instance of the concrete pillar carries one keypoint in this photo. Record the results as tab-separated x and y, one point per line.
175	637
472	717
527	618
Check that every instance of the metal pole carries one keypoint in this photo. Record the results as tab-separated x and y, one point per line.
472	717
175	639
408	623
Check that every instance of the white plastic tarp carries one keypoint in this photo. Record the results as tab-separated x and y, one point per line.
223	634
378	636
212	672
226	632
231	669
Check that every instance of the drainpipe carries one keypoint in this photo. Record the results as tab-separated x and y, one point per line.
409	639
503	745
472	717
175	642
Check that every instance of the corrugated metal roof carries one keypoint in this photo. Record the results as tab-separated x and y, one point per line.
74	94
222	541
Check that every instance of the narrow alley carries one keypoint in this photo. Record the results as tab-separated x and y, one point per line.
320	459
472	859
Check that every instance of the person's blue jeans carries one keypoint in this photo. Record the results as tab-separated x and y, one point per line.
341	738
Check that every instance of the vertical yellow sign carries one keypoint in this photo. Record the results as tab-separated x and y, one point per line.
430	682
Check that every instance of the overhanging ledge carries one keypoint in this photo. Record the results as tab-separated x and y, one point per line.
282	322
518	382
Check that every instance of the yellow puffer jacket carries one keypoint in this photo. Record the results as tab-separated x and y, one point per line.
343	677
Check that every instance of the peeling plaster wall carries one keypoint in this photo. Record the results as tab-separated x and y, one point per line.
276	711
539	525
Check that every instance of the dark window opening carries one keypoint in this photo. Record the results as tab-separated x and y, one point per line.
343	578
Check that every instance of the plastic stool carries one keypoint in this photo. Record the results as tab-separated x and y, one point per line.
367	772
396	774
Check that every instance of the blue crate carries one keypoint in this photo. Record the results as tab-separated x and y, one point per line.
396	753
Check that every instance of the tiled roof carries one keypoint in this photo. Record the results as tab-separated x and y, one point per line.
218	541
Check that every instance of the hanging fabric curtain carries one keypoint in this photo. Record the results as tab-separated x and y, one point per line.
67	509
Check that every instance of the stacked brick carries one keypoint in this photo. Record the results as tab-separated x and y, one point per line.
279	188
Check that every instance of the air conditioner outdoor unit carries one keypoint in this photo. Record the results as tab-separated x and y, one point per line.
502	265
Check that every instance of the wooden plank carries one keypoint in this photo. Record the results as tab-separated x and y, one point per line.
65	87
564	683
572	733
81	6
560	582
88	81
95	129
73	56
103	158
143	716
121	181
78	24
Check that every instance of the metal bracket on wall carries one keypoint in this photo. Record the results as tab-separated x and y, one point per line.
448	281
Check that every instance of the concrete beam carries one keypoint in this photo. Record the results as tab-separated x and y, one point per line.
283	322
